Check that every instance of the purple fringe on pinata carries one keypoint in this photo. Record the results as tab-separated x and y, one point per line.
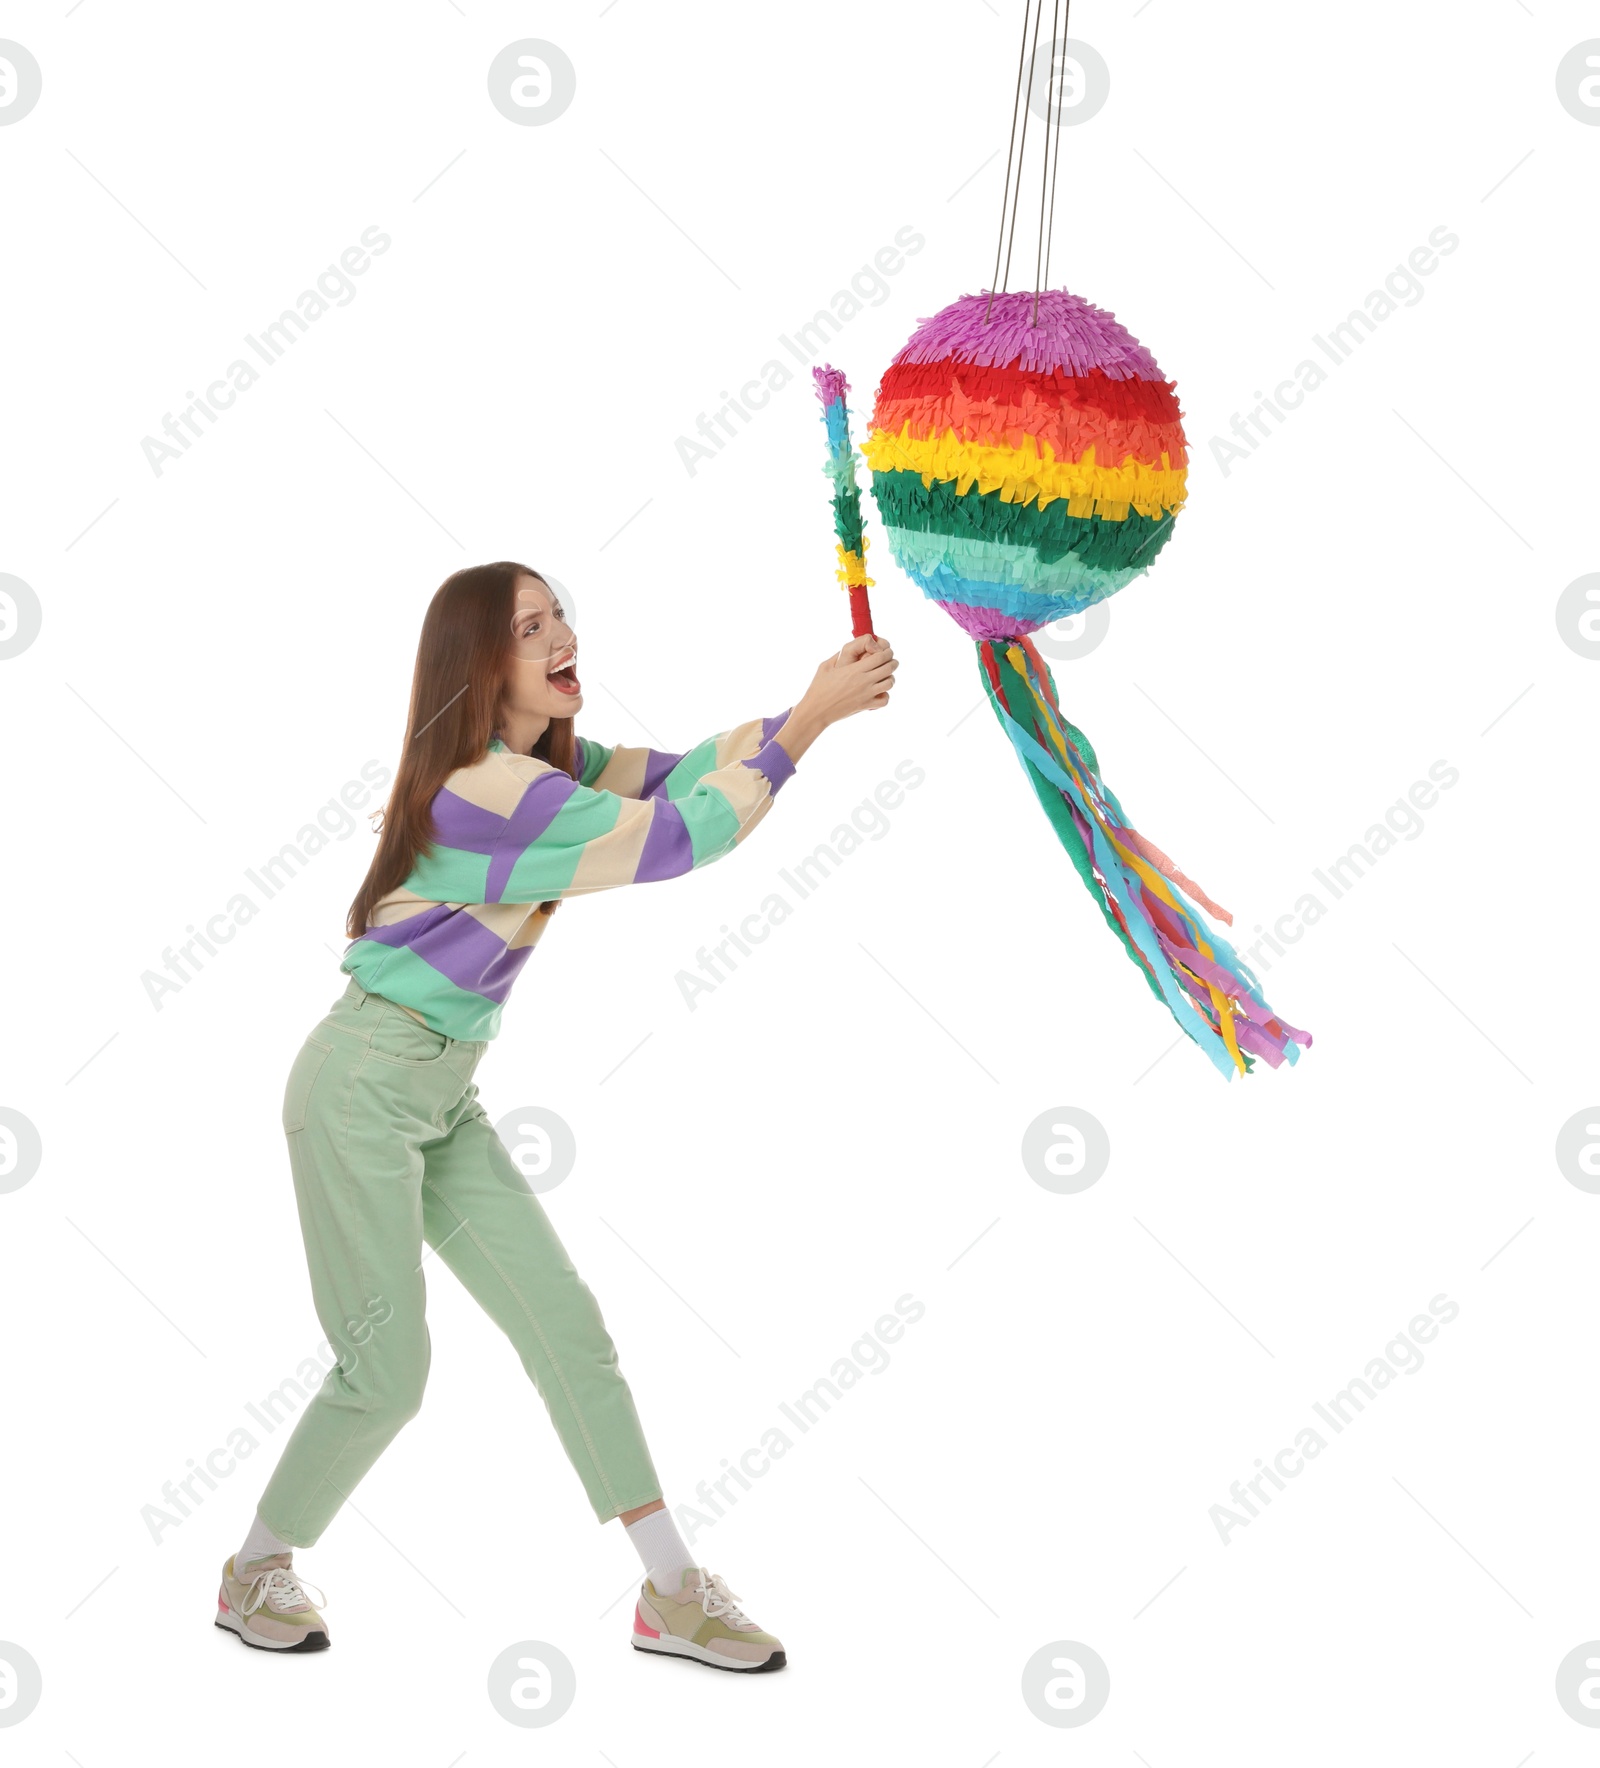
1073	336
979	623
831	384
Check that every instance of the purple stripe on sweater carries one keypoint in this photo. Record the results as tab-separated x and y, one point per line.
534	812
464	825
657	765
668	852
773	760
771	726
459	946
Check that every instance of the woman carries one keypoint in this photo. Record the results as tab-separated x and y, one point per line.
497	813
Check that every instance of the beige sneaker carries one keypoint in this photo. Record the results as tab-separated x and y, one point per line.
268	1608
702	1622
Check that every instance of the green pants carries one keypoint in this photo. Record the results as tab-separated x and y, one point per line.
390	1148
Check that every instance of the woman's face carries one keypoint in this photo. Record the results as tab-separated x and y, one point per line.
541	676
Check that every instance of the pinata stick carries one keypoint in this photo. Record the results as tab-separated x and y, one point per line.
841	469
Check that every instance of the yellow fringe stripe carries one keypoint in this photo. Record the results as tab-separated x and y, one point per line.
1024	475
852	572
1154	880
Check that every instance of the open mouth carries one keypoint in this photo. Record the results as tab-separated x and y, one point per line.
565	679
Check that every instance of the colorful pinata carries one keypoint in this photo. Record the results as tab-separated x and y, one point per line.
1028	460
1025	472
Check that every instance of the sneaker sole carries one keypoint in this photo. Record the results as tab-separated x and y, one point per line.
699	1654
312	1642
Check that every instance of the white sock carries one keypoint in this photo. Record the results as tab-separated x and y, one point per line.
260	1543
662	1550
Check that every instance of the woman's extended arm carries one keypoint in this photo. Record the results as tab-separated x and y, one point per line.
835	692
633	772
564	839
515	829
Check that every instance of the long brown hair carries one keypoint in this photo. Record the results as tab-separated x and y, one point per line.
462	659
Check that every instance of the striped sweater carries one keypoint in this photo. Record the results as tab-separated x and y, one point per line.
512	831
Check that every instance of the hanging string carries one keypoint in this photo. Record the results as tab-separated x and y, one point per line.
1017	154
1066	32
1022	146
1011	148
1054	124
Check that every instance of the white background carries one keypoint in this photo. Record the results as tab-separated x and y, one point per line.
835	1126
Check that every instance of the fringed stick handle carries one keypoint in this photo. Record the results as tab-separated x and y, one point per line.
832	389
